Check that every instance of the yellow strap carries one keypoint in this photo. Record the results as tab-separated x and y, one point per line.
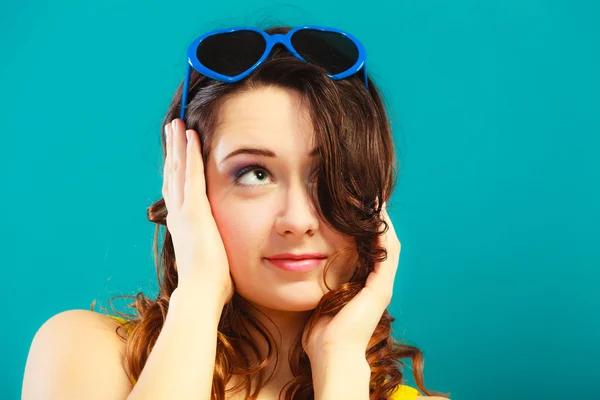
123	321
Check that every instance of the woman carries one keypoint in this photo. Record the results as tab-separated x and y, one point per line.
277	247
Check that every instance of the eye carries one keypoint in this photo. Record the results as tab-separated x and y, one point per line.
252	175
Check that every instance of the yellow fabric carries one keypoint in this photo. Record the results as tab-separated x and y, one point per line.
403	392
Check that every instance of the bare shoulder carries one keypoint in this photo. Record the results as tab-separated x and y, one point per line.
76	354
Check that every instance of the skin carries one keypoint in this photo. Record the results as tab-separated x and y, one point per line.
254	222
269	212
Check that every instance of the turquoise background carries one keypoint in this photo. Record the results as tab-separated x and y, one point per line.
496	120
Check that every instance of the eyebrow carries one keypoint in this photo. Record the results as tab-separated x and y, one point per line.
261	152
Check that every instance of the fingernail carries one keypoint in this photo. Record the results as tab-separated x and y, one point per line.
187	135
174	123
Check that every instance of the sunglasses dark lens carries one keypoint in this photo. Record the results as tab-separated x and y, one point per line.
330	50
231	53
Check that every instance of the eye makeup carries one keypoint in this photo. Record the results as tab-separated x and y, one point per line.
239	172
244	170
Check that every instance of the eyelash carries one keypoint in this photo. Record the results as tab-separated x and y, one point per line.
247	169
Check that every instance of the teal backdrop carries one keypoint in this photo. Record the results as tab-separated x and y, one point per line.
495	108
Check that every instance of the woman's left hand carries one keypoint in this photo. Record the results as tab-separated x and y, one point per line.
350	330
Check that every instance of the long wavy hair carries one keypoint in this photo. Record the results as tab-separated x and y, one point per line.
356	166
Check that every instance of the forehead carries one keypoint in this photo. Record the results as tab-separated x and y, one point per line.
269	117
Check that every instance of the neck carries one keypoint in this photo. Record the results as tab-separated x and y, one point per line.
286	328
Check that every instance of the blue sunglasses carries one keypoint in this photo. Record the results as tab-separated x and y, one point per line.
231	54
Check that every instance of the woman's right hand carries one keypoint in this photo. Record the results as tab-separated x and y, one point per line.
201	260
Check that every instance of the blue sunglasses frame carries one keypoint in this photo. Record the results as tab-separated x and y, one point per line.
270	40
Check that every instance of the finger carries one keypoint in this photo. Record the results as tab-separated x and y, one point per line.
389	267
178	162
392	236
167	167
195	186
391	232
384	237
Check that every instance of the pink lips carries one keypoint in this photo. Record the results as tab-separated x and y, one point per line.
297	263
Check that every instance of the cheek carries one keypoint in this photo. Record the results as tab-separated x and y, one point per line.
341	271
242	234
344	265
229	227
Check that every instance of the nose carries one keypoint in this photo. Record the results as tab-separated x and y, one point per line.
297	215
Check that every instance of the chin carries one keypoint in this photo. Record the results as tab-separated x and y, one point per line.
284	299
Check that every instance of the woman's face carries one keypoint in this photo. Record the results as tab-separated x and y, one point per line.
266	211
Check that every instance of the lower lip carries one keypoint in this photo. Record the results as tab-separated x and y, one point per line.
297	265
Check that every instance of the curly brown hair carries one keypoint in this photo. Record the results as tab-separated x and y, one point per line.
357	165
